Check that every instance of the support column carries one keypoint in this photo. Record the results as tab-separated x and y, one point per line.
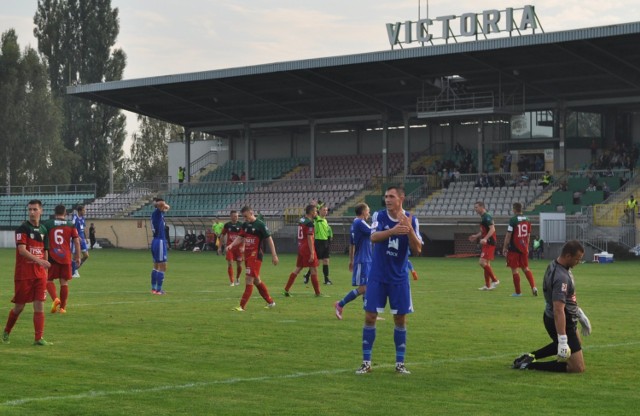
480	146
407	149
187	155
385	147
562	153
247	143
312	149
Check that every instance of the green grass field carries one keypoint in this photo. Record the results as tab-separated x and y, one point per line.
122	351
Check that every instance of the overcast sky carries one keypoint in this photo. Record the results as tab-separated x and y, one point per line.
163	37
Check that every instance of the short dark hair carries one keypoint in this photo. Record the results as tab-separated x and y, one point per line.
35	202
233	211
399	189
60	209
309	209
517	207
246	208
572	248
360	208
480	204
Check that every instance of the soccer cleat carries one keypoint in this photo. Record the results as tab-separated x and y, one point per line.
56	304
522	362
414	274
5	337
516	295
534	291
270	305
364	368
286	294
328	282
338	310
76	274
495	284
401	369
160	292
42	343
486	288
237	283
153	291
238	309
306	280
63	311
232	284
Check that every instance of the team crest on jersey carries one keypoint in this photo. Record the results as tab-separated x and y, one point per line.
564	287
19	236
394	243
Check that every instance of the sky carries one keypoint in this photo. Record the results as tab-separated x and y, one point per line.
162	37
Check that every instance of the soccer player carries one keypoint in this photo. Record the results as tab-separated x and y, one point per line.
306	251
229	233
560	317
158	246
322	243
252	234
516	249
30	276
79	222
359	256
395	232
487	239
61	236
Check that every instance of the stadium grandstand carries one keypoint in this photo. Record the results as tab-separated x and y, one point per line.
550	120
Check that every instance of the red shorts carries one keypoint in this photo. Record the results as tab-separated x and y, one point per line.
27	291
488	252
60	271
234	254
303	260
517	260
252	266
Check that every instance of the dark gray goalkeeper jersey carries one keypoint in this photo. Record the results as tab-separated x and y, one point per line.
559	285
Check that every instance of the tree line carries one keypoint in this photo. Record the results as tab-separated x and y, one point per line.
51	138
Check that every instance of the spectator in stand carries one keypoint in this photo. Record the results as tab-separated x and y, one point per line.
484	181
243	177
524	179
591	188
506	162
235	177
538	164
546	179
605	190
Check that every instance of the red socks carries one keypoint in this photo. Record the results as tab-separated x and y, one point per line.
314	282
230	273
292	278
264	292
51	289
64	295
529	275
248	290
516	282
38	324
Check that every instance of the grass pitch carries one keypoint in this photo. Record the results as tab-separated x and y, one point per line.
122	351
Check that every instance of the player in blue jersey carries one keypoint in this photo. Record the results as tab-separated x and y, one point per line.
359	257
78	221
395	233
158	246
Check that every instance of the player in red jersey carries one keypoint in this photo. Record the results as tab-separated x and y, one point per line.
230	232
252	234
516	248
30	276
60	235
487	239
307	256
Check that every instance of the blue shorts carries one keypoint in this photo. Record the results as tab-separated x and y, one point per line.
399	295
159	250
83	246
360	274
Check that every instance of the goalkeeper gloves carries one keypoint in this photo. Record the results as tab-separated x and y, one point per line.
564	352
585	324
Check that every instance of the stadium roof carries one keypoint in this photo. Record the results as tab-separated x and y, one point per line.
593	68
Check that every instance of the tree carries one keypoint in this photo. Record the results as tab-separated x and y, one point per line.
149	160
30	120
77	37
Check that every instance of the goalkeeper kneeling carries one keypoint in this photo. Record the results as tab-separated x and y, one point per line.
561	317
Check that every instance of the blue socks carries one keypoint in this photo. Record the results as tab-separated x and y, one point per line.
400	339
368	337
349	297
159	280
154	279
